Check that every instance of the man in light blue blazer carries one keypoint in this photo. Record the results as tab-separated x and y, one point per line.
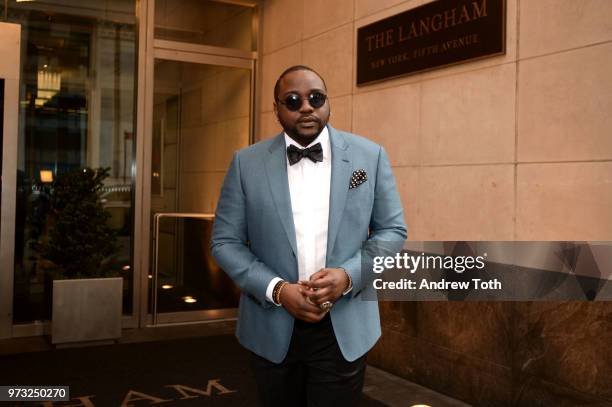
291	219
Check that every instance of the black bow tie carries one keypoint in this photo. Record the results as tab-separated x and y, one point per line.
294	154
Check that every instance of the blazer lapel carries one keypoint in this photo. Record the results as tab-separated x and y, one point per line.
276	168
340	176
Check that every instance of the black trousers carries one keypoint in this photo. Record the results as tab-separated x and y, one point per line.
314	372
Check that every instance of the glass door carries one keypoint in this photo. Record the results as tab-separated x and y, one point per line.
201	114
197	61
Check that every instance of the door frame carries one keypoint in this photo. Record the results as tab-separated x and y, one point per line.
150	49
10	73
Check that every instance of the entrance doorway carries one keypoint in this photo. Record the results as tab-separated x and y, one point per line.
196	107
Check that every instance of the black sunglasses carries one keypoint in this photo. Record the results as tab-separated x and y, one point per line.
293	101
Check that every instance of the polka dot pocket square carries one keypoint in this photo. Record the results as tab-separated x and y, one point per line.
358	178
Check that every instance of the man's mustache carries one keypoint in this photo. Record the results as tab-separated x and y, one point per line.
309	119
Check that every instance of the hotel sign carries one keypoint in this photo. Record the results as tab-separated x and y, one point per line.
440	33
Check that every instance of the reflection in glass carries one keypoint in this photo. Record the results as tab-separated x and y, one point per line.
77	99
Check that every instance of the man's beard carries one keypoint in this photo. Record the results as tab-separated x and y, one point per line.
300	137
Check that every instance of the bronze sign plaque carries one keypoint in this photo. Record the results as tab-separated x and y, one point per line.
437	34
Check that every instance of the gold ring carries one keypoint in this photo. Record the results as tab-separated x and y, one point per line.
326	306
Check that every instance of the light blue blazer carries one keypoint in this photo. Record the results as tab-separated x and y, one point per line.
253	238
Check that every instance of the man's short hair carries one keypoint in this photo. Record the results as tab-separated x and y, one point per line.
292	69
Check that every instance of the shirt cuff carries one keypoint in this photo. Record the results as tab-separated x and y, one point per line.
350	287
270	289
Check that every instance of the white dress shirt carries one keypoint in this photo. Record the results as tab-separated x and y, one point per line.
309	187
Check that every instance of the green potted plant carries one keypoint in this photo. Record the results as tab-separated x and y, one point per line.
79	253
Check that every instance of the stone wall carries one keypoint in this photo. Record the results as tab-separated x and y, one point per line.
513	147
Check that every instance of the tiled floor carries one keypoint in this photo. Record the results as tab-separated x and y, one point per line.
380	385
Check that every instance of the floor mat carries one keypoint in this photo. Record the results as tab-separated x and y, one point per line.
203	371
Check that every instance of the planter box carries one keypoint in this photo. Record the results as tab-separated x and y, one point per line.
86	310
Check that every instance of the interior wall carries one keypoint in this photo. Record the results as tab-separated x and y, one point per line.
513	147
